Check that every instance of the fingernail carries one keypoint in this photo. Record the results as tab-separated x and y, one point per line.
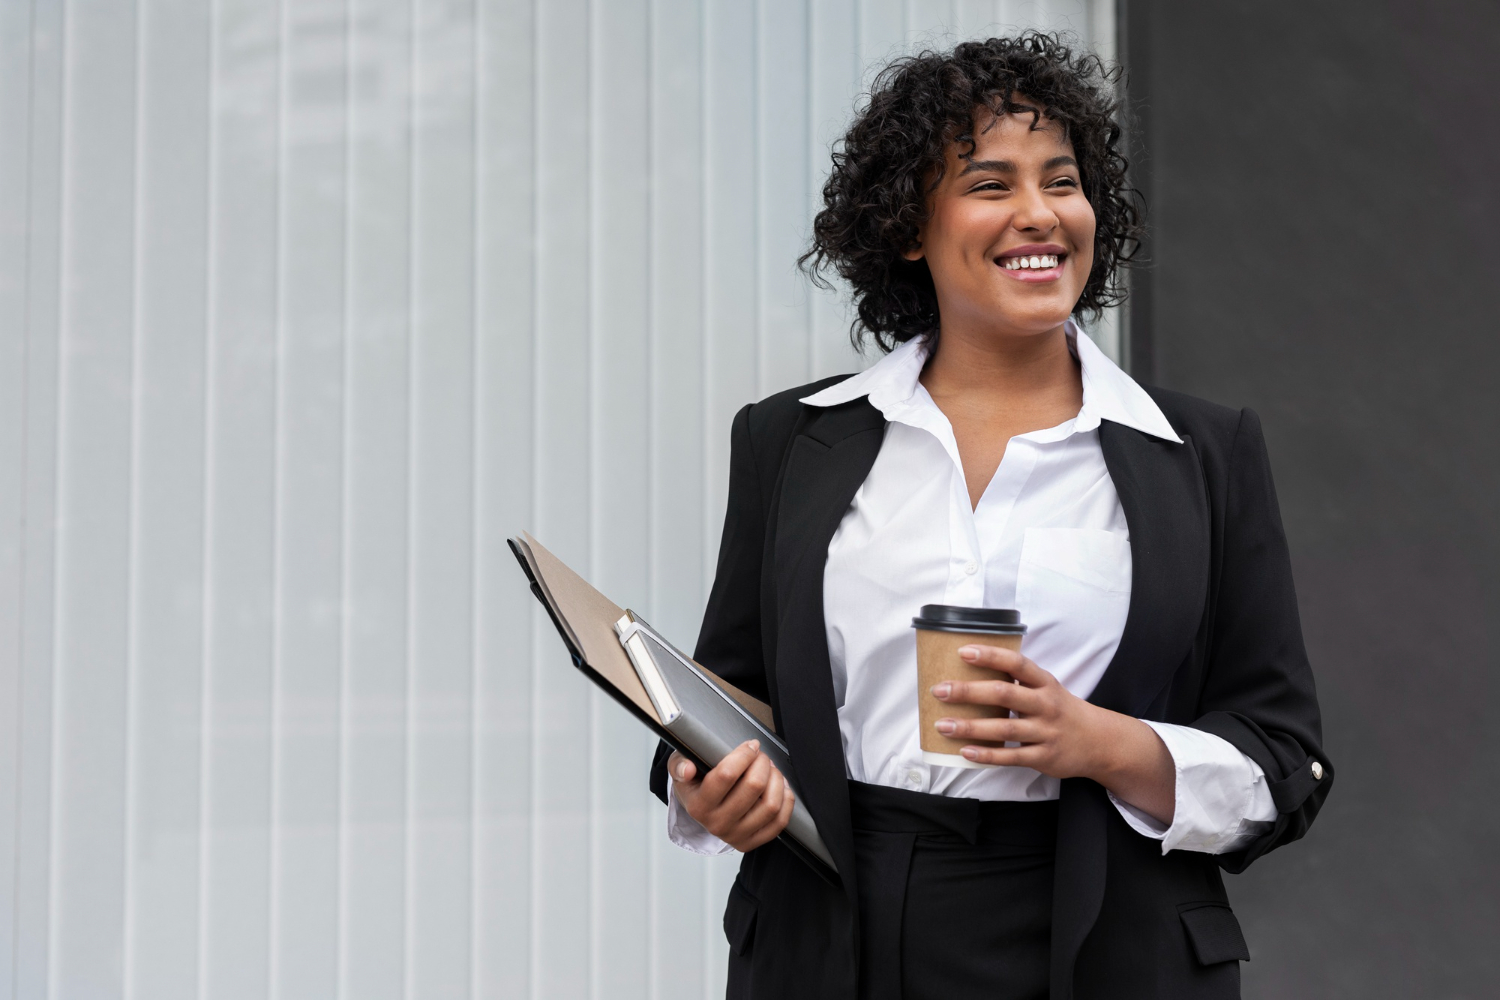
969	652
946	726
970	753
942	690
681	772
754	744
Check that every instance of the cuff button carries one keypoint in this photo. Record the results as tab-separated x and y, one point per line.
1317	771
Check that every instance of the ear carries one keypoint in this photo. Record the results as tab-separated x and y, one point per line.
915	251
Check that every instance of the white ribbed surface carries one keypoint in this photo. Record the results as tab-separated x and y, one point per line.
303	310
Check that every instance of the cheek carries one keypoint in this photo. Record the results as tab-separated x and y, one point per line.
964	229
1081	226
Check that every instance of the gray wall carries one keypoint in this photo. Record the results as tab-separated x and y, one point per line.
1322	185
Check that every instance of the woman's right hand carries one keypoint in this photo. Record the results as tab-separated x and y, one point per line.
743	800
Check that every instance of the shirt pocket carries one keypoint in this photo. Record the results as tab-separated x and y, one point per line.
1085	555
1073	592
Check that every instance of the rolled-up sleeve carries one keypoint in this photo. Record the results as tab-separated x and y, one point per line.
1222	801
1258	693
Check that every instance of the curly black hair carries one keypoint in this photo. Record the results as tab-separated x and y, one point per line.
875	199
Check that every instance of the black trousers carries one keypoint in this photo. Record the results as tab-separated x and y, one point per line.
955	895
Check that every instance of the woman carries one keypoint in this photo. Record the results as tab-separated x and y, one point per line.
1164	725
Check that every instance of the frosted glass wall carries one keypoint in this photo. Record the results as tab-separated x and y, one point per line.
304	308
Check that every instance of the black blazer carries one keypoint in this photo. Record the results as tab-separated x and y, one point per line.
1212	640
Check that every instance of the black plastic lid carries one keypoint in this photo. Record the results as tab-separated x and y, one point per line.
948	618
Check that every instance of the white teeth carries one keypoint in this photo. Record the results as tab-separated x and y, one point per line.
1041	262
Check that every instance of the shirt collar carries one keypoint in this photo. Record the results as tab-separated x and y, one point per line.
1108	393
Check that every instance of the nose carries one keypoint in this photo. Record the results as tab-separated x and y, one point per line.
1032	213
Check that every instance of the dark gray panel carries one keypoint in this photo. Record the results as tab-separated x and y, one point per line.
1324	203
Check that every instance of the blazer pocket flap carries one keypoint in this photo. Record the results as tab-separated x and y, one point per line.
739	918
1215	933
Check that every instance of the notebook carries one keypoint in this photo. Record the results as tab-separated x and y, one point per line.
698	713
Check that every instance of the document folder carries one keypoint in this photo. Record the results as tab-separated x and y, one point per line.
707	716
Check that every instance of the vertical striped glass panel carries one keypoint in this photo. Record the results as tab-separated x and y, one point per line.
502	894
15	94
304	308
92	586
164	835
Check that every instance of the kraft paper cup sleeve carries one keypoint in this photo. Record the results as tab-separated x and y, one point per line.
938	660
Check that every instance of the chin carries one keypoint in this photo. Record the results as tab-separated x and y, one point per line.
1034	321
1037	312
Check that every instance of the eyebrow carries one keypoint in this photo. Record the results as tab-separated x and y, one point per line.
1007	167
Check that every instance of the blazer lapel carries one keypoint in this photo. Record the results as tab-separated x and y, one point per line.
1162	492
1161	489
826	463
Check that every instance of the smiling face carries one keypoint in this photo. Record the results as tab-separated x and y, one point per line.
1010	236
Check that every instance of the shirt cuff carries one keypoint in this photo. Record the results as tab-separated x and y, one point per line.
1222	800
687	833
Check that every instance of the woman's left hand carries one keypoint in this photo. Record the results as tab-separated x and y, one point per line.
1061	735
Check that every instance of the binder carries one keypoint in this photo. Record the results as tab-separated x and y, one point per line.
712	716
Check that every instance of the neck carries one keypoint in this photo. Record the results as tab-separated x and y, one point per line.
1013	367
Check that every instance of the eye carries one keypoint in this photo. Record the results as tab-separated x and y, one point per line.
1065	182
989	186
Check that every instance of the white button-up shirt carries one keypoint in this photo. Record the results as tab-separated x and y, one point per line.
1048	537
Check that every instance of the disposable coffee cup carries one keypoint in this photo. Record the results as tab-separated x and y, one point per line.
942	630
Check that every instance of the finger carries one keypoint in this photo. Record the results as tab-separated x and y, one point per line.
746	791
993	657
1031	675
733	816
723	776
1022	756
1007	660
766	807
1001	693
994	730
773	829
680	768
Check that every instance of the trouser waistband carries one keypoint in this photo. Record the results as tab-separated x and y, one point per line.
881	809
887	825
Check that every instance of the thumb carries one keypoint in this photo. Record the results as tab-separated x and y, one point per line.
682	768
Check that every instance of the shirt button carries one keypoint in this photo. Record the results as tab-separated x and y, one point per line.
914	778
1317	770
971	567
